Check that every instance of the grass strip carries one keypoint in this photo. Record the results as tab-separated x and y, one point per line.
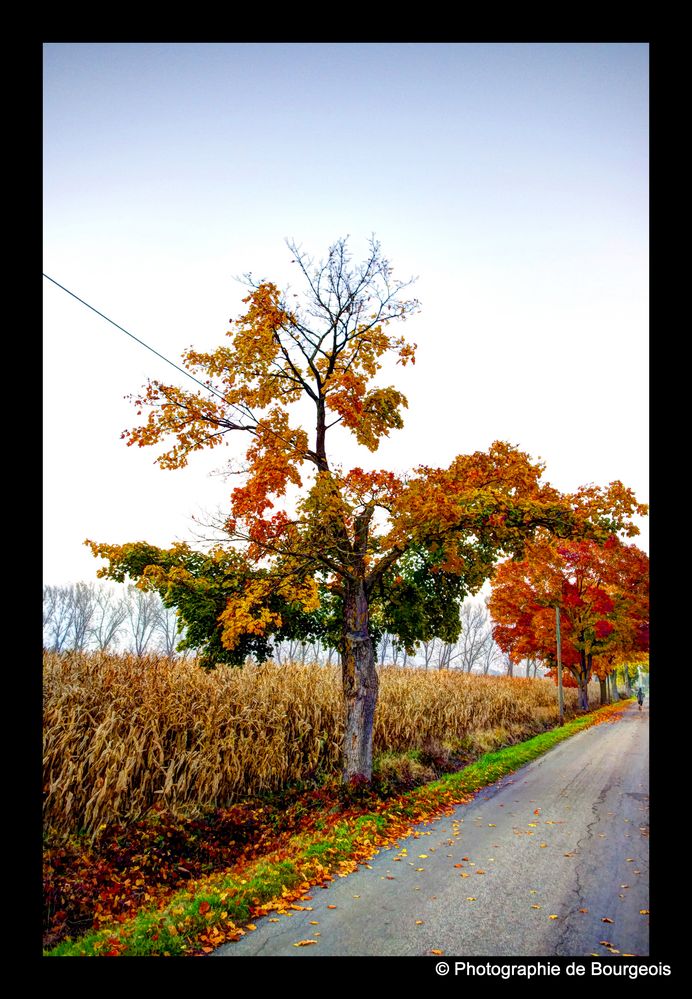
218	908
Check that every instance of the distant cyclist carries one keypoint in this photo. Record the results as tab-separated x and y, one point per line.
640	698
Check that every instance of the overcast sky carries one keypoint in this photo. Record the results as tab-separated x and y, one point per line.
512	179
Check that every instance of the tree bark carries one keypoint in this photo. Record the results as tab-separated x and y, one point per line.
583	681
360	683
615	696
604	689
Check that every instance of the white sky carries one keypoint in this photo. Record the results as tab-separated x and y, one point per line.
511	178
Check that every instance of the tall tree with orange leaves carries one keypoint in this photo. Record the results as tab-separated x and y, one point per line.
411	542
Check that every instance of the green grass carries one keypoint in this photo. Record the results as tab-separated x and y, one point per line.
211	911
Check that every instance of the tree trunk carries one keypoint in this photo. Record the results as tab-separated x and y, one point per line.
603	683
360	683
628	681
614	695
583	681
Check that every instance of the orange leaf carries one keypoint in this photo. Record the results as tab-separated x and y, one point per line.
437	952
644	912
605	919
304	943
203	907
331	907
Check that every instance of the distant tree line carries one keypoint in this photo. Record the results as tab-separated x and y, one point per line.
82	616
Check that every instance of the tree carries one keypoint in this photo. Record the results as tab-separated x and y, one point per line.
58	613
602	594
109	617
143	611
393	552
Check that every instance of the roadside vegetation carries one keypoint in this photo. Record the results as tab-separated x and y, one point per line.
297	842
163	782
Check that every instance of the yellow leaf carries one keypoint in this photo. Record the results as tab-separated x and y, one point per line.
644	912
471	898
250	926
423	856
304	943
535	906
553	916
419	922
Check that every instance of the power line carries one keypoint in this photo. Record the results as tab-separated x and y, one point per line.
177	367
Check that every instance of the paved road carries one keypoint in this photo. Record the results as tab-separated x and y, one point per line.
564	834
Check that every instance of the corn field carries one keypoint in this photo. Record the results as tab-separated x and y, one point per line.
122	733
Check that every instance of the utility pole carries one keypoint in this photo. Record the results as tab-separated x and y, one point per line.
560	696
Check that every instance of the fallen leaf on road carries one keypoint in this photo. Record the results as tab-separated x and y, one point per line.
536	811
304	943
250	926
331	907
464	875
464	858
356	896
643	912
479	871
420	868
630	860
471	898
419	922
583	910
491	825
534	824
458	865
605	919
568	854
535	906
624	886
423	856
314	922
543	845
553	916
605	943
437	952
390	877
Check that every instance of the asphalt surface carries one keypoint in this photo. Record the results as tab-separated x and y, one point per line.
565	837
